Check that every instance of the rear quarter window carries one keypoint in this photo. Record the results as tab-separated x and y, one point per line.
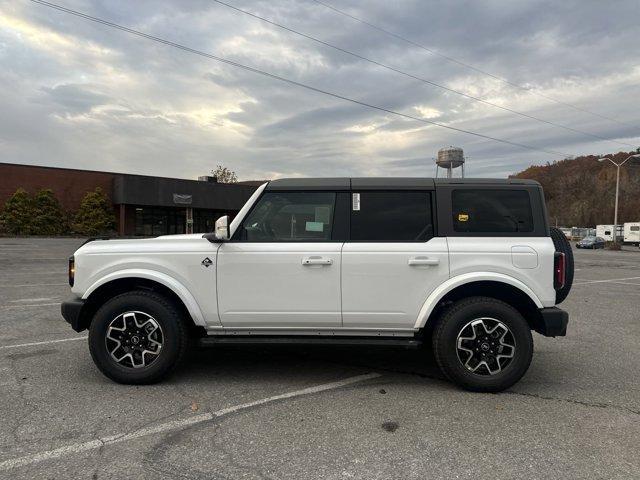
492	211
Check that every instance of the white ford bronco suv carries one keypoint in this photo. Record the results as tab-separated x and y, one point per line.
470	266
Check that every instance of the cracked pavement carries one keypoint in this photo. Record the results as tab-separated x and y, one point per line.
576	413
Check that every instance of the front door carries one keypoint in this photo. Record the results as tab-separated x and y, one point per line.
282	269
392	261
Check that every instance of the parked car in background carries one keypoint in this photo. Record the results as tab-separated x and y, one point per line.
591	242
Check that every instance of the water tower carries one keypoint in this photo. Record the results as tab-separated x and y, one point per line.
450	158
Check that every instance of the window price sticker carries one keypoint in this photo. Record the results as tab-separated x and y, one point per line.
356	201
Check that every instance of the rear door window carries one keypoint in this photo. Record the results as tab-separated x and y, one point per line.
391	216
492	211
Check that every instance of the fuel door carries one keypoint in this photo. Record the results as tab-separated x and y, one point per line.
523	256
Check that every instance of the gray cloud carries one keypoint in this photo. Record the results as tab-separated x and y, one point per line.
75	98
78	94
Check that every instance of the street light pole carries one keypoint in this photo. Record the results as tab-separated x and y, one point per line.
615	215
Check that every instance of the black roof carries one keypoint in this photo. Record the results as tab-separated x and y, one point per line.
372	183
310	184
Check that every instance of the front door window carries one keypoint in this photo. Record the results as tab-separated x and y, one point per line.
290	217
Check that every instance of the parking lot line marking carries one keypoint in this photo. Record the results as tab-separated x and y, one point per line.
46	342
29	305
588	282
21	275
12	285
34	257
22	300
174	425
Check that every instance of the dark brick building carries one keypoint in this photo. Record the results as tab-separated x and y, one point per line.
143	205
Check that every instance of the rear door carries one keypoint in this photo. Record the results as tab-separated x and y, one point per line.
392	261
282	269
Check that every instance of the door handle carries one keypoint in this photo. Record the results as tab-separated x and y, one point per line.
315	260
423	261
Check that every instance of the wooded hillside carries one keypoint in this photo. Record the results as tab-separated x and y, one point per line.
580	192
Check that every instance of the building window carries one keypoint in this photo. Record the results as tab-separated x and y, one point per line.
154	221
204	219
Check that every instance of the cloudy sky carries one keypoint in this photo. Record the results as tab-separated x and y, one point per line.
78	94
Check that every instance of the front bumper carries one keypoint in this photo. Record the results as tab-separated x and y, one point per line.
552	322
71	310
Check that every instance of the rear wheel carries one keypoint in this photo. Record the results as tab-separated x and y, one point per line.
137	338
483	344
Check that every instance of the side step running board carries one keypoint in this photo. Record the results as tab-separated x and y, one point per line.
410	342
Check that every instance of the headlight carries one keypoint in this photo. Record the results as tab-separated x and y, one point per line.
72	270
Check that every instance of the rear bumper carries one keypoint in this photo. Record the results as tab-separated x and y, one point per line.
552	322
71	310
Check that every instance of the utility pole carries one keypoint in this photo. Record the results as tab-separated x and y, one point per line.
615	215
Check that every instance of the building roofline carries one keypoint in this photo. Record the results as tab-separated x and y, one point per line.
83	170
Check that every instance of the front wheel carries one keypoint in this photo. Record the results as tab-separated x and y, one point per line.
483	344
137	337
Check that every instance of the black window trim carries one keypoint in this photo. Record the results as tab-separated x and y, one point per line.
441	207
339	231
434	219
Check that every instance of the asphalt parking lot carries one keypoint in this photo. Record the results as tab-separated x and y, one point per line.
322	412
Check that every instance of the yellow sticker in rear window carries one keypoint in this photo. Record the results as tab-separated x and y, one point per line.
463	217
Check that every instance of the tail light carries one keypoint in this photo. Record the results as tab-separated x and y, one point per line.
559	270
72	270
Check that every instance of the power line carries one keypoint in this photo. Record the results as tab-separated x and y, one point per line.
421	79
286	80
466	65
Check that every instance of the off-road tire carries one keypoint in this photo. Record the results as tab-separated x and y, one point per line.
176	338
562	245
451	324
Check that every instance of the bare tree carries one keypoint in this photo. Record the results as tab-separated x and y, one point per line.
224	175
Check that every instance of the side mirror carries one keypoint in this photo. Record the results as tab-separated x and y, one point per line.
222	228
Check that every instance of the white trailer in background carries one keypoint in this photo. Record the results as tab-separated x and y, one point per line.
608	231
605	231
632	233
